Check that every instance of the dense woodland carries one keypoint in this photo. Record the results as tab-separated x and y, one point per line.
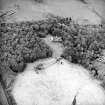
22	42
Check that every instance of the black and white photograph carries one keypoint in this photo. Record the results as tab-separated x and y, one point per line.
52	52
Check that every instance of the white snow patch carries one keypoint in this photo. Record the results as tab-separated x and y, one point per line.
58	84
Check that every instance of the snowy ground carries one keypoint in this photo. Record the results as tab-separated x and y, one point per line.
59	83
92	12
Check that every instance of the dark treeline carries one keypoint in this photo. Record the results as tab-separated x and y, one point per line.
23	42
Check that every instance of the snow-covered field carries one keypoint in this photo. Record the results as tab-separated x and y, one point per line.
60	83
92	12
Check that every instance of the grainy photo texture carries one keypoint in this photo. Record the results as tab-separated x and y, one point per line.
52	52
